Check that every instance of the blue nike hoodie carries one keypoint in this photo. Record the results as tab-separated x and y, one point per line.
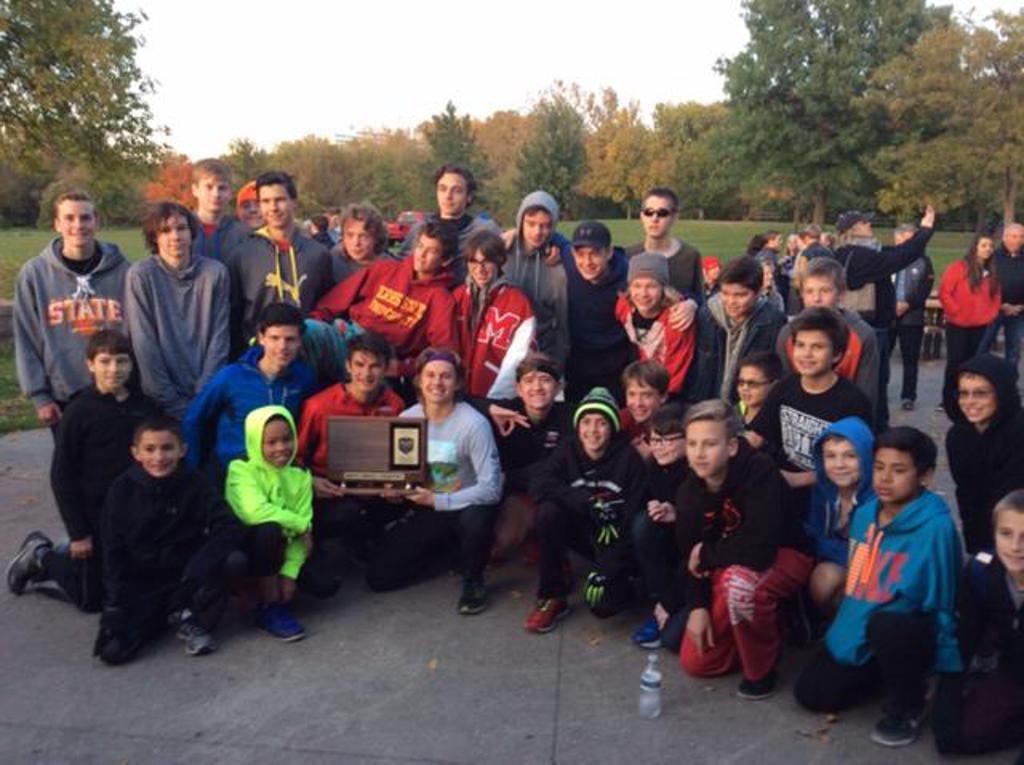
910	566
221	406
828	541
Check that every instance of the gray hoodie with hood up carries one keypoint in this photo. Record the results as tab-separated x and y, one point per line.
55	313
544	284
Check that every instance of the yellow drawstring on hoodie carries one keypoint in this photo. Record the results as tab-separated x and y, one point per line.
275	280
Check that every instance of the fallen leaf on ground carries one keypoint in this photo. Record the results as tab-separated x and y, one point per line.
432	665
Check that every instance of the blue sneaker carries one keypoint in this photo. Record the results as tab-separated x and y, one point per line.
276	620
648	635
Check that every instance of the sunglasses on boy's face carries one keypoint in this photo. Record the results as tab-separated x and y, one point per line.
656	212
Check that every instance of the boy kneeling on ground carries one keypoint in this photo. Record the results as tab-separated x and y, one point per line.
896	623
587	493
739	553
170	547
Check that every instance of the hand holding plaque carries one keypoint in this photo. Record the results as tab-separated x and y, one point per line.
371	455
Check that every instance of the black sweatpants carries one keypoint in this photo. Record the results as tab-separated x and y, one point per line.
910	338
560	529
200	584
79	579
972	715
962	343
426	543
265	544
904	652
358	522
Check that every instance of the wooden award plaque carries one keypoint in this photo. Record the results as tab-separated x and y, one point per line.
366	455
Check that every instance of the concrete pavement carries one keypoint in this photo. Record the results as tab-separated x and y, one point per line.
388	678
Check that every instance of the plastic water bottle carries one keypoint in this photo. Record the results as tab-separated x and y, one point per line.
650	689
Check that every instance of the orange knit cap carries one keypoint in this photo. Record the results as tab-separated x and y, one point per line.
246	194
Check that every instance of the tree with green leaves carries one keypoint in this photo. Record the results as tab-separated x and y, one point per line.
554	157
247	160
451	139
957	99
691	156
798	119
70	85
619	150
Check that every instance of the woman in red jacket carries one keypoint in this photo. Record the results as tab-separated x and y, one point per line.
970	297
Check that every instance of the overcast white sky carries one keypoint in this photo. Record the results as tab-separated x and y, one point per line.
274	70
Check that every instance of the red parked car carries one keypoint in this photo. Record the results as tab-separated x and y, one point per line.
398	228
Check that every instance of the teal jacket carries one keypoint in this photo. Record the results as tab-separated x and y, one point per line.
910	566
258	492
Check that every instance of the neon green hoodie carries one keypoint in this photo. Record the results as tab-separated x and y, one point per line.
258	492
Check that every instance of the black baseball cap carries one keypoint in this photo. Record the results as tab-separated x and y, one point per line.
851	218
591	233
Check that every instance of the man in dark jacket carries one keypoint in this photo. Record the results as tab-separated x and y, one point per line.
913	286
595	274
985	446
870	265
1009	263
731	325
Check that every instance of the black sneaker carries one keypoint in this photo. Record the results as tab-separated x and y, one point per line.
27	564
907	405
756	690
473	599
895	730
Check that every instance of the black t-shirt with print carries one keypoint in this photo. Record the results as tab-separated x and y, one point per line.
792	419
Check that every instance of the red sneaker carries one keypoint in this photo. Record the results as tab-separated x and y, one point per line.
546	614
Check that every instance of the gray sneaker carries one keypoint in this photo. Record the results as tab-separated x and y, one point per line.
198	642
27	564
895	730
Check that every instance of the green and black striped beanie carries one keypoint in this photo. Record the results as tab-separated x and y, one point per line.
598	401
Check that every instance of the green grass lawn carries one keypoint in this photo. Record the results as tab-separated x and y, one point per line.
723	239
16	413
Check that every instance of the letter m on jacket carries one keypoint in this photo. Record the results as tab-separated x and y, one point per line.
499	328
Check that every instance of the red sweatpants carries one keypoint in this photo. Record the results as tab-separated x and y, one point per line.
743	617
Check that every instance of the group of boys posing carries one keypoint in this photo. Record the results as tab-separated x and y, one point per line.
716	513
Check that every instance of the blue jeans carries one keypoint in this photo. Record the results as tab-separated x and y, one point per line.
1013	331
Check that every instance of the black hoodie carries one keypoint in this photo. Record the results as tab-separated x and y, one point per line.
92	448
153	526
571	478
742	524
986	465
